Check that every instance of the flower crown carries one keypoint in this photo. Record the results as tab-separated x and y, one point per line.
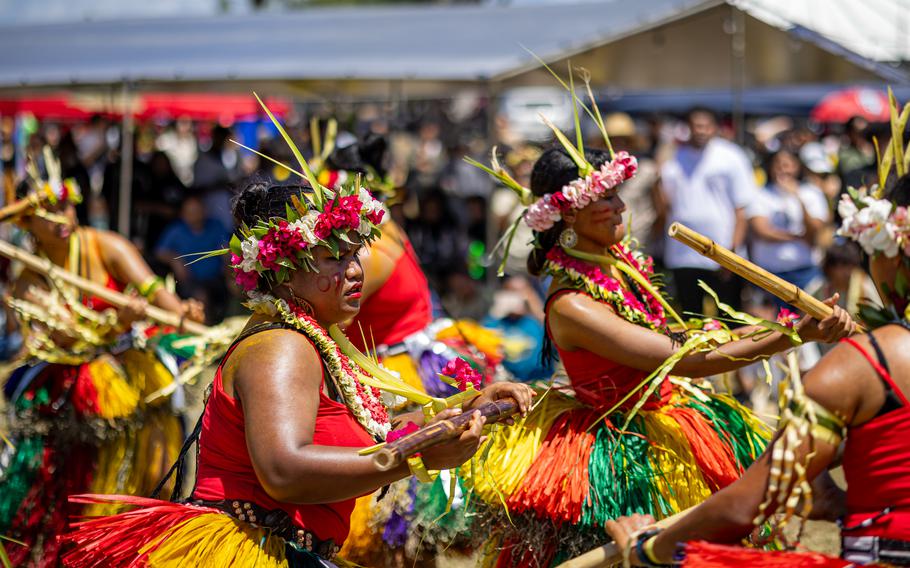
547	210
543	212
272	248
874	222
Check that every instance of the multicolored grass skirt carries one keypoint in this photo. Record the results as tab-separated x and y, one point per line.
165	534
80	429
549	482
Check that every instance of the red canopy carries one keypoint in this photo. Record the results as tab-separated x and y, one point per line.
841	106
197	106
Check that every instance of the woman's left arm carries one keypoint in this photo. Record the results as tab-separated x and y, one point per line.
838	383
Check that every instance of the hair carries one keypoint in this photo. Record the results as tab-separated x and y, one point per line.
847	253
900	192
261	200
359	157
553	170
702	110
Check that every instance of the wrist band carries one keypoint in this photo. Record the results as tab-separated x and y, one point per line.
419	470
644	549
150	287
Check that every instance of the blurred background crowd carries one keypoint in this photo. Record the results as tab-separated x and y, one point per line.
739	162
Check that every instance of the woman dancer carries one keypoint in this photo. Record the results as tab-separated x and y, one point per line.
632	438
79	417
279	461
858	393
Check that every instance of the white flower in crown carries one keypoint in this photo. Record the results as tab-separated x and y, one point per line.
577	192
368	204
250	249
874	224
306	227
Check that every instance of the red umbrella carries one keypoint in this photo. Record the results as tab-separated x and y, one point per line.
841	106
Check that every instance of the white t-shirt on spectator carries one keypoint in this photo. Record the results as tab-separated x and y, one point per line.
704	188
784	212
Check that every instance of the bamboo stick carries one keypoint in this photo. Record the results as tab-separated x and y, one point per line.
790	293
112	297
610	554
393	454
16	208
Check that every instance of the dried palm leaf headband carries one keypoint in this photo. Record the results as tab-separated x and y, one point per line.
52	190
543	212
877	224
271	249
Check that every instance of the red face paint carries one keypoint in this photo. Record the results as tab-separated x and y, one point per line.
323	283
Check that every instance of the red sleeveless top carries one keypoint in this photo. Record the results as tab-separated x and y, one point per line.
877	468
226	472
601	382
400	307
96	303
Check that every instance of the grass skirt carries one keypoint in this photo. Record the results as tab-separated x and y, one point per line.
78	429
548	484
164	534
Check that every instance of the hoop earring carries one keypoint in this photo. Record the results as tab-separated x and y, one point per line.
301	303
568	238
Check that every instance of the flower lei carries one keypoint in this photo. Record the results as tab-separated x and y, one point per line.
876	224
601	286
364	402
281	245
548	210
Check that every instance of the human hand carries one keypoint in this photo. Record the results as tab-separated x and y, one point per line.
193	310
624	529
829	330
520	392
458	450
133	311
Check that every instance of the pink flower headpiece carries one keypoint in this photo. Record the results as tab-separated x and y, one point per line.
548	209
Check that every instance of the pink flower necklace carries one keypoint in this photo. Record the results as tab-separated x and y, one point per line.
364	402
601	286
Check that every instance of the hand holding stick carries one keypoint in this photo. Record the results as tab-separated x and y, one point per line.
790	293
393	454
610	554
112	297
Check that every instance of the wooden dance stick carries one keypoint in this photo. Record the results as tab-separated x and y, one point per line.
16	208
393	454
112	297
790	293
610	554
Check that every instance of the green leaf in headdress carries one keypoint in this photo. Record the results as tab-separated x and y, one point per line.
204	255
598	120
234	245
584	168
308	173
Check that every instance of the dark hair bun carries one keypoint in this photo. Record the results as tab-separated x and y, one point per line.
261	200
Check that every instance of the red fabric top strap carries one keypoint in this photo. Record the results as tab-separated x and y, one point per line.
882	372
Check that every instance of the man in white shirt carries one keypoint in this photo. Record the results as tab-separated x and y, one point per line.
706	185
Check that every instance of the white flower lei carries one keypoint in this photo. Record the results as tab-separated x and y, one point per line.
370	413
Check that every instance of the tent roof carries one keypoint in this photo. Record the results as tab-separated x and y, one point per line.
460	43
435	43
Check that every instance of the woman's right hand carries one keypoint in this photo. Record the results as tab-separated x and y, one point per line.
457	450
829	330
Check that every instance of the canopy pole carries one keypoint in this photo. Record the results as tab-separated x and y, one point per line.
738	71
124	205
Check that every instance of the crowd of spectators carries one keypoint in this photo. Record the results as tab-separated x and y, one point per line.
773	200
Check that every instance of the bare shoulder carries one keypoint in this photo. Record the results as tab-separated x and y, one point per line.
272	357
